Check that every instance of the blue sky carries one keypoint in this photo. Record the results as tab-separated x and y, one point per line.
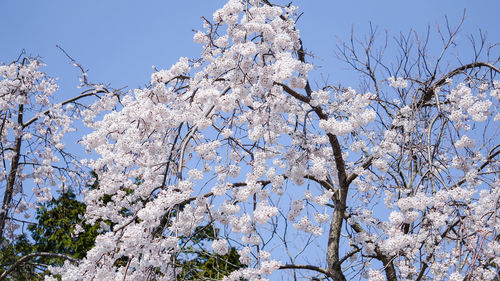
119	41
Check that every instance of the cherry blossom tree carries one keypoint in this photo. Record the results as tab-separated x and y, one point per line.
33	148
395	180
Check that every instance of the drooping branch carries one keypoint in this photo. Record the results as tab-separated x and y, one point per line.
32	255
308	267
430	91
491	155
88	93
463	68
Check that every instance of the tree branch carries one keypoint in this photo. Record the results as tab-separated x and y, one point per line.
308	267
429	92
293	93
73	99
32	255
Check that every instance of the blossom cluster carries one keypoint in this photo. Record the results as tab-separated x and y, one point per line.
33	140
235	138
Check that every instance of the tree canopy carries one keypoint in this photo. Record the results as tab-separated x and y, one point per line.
233	165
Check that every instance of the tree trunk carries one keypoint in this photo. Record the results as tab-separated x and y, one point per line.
11	179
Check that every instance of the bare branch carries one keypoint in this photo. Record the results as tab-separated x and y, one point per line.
32	255
308	267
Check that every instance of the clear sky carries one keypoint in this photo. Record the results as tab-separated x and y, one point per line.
119	41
